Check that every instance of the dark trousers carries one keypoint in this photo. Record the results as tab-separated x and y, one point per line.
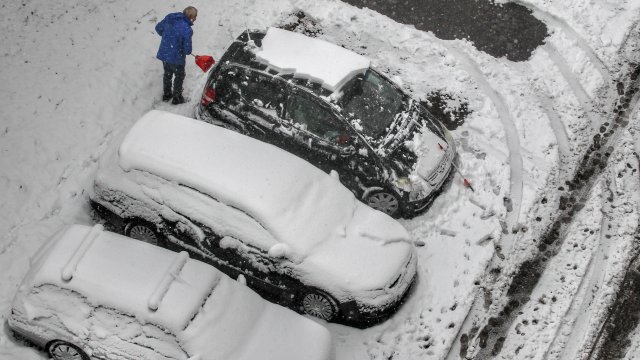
171	70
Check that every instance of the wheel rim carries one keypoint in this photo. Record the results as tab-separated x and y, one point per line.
385	202
65	352
318	306
142	232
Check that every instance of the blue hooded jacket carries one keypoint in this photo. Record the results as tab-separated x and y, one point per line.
176	33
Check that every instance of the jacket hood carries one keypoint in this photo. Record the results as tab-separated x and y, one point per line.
178	16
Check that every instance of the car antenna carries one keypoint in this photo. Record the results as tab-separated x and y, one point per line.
249	42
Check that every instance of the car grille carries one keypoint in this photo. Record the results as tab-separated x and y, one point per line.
442	168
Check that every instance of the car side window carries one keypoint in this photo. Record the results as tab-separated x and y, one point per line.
262	91
252	88
314	118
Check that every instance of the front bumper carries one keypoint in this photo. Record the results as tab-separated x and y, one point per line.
19	327
365	313
440	176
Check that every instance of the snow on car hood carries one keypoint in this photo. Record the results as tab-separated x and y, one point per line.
236	323
369	255
298	203
329	64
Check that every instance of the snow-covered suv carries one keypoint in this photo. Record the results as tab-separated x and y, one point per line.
295	234
327	105
94	293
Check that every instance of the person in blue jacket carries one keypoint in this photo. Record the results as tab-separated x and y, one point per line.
175	30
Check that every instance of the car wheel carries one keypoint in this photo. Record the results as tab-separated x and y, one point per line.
62	350
385	201
141	231
320	305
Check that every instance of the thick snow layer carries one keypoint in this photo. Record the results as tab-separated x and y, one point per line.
199	312
122	274
281	191
318	219
327	63
252	329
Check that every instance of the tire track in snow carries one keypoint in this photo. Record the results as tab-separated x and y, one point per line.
511	133
574	83
549	18
487	331
534	323
557	126
560	133
572	346
604	339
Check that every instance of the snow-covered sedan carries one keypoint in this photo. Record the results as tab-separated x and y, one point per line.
327	105
294	233
94	293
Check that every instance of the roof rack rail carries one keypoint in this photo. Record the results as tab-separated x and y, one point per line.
165	283
70	268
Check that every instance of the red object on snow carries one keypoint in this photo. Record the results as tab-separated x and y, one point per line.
205	62
467	183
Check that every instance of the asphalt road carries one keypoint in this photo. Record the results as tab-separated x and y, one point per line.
507	30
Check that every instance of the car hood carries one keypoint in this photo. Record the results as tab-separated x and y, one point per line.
413	142
369	255
430	150
236	323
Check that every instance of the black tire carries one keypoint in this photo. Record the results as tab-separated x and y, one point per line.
143	231
385	201
318	304
62	350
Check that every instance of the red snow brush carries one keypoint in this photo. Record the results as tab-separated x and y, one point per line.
204	62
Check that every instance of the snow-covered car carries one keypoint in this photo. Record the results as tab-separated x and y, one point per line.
327	105
294	233
94	293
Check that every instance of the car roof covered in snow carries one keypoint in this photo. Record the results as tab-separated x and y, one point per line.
114	271
296	202
315	59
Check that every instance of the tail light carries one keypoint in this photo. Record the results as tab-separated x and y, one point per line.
343	139
209	96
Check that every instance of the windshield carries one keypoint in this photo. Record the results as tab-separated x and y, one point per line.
373	100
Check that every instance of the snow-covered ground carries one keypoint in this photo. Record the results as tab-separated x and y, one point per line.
77	74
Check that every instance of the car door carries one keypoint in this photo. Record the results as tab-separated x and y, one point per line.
255	98
320	136
243	251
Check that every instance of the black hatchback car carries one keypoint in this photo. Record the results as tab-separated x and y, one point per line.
327	105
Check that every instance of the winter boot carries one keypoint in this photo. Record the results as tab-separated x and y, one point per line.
178	99
166	97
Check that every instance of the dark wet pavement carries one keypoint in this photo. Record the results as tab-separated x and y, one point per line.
507	30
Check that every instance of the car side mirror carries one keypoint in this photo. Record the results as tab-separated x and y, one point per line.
286	124
279	251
